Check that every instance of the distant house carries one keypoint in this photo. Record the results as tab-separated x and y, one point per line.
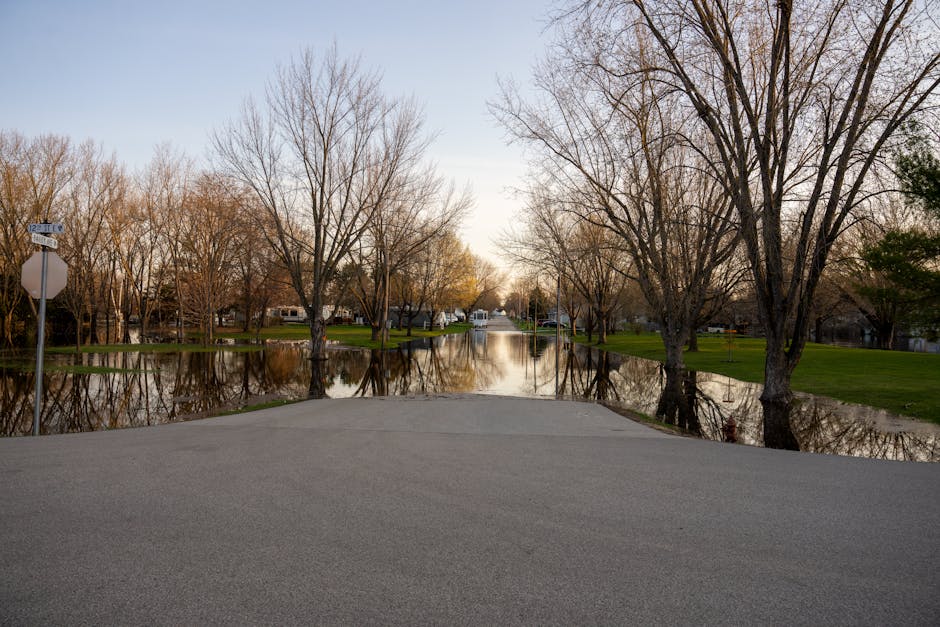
288	313
420	320
296	313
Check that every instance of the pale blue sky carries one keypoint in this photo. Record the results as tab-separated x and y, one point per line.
132	74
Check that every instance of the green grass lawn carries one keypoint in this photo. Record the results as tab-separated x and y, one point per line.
347	334
354	335
903	383
526	327
153	348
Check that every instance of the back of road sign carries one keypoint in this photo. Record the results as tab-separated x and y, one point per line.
57	272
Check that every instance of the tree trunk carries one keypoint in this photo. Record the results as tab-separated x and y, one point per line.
93	328
317	388
693	342
673	343
689	420
777	400
671	399
885	331
317	338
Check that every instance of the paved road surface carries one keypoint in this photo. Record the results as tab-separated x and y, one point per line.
500	323
456	511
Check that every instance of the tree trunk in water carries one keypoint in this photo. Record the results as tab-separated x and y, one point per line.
317	387
317	339
602	384
673	405
689	420
777	400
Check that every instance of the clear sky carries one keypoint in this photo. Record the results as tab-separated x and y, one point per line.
133	74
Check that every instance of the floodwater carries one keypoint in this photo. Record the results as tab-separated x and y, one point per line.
148	388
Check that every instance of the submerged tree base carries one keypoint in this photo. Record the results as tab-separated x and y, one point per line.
777	430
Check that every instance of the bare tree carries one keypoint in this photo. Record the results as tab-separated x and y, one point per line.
96	191
324	156
167	183
207	243
259	276
798	100
585	256
480	284
34	175
618	154
439	270
422	208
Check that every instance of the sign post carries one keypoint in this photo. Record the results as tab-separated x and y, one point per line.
40	342
47	289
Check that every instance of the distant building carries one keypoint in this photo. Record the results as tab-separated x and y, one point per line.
564	319
296	313
288	313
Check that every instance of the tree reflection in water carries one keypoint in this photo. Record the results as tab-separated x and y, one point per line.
150	388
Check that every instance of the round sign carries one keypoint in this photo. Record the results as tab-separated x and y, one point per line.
57	272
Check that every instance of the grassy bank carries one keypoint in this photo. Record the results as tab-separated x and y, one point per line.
352	335
346	334
903	383
152	348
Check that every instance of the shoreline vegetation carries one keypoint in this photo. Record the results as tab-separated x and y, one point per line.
901	382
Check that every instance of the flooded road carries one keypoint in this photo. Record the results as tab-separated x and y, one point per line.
144	388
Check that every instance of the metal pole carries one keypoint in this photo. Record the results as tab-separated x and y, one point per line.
557	327
40	344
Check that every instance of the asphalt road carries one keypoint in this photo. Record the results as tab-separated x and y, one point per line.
473	510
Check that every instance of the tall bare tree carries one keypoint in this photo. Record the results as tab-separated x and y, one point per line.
799	100
97	190
167	184
616	152
323	155
207	244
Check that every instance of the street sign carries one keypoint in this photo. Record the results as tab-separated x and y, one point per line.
42	240
57	272
47	227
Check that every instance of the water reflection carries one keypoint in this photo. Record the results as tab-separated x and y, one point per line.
144	388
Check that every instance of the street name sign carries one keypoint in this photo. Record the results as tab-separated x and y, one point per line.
46	227
43	240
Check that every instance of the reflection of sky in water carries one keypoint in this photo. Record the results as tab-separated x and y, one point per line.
161	387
